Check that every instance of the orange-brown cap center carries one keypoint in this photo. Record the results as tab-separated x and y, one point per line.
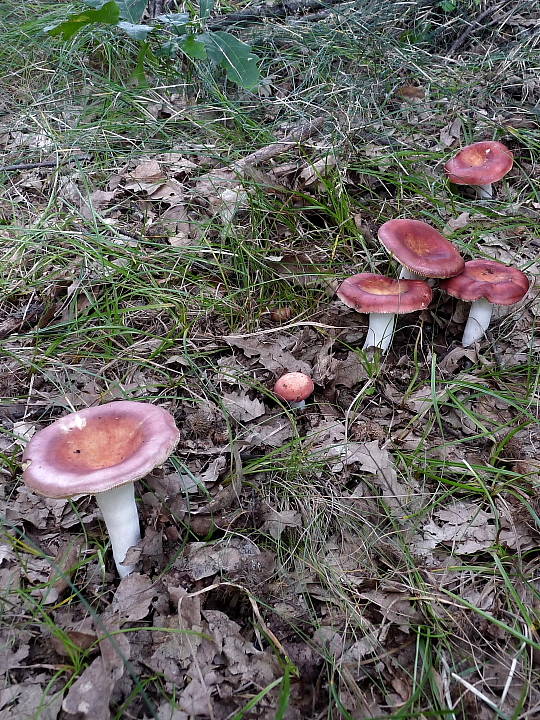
488	274
381	286
418	244
474	157
101	443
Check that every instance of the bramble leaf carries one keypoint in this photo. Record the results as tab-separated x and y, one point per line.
234	56
108	14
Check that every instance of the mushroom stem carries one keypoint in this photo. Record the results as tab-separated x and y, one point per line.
484	192
380	330
119	511
407	274
299	404
478	321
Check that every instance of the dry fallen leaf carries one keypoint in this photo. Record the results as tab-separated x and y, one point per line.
464	527
232	554
279	520
63	566
450	133
146	176
90	694
132	598
241	408
273	353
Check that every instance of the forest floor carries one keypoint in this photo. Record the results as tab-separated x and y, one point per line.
374	555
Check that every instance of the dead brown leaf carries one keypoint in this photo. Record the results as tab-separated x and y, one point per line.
241	407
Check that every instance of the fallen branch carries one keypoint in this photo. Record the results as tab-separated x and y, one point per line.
296	135
279	11
39	164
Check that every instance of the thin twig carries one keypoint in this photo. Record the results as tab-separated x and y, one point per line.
39	164
296	136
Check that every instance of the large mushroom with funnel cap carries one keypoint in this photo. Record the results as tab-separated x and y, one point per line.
101	451
383	298
486	283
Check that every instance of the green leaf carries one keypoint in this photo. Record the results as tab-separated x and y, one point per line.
234	56
205	8
175	19
194	48
132	10
137	32
97	4
447	5
168	49
108	14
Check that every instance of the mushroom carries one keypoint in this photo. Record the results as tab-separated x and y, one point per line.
102	450
383	298
480	164
422	251
486	283
294	388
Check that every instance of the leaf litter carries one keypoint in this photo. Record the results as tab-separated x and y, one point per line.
217	536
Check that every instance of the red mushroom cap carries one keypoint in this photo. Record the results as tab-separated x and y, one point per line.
497	283
421	248
369	293
294	387
96	449
481	163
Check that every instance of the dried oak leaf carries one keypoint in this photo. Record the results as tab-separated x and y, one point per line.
227	556
271	431
272	353
89	696
146	176
241	407
28	701
132	598
13	649
462	526
279	520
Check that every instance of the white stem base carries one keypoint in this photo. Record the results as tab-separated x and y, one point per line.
119	511
478	322
380	331
299	405
484	192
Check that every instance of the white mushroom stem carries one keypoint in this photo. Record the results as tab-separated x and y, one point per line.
380	331
407	274
299	404
119	511
484	192
478	322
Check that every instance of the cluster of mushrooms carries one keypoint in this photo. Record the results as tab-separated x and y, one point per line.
103	450
426	255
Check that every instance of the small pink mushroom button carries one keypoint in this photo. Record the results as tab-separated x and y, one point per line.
294	388
101	451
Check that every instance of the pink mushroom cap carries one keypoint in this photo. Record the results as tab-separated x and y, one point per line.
489	279
99	448
421	248
481	163
294	387
371	293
